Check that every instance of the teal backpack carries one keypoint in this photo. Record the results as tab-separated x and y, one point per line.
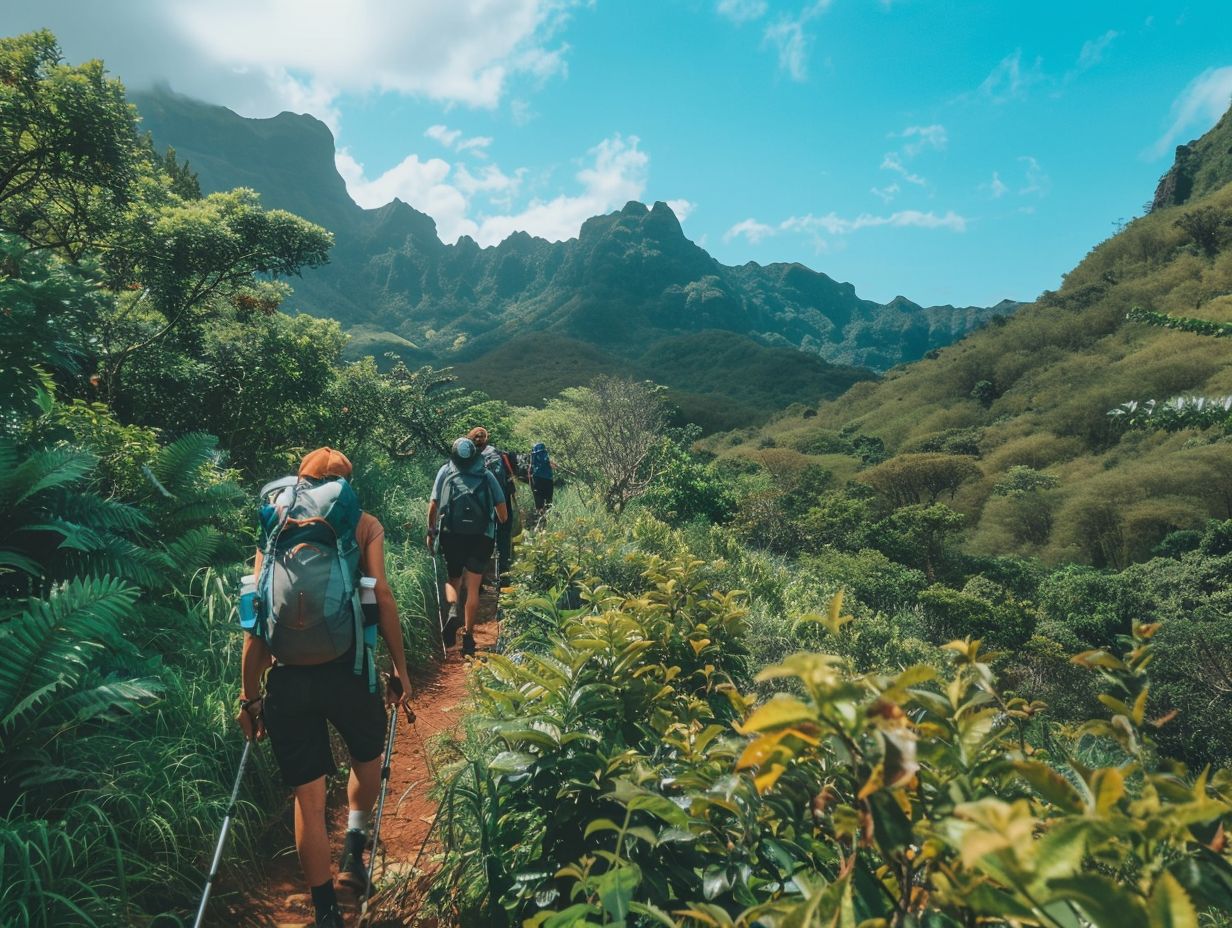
307	599
466	504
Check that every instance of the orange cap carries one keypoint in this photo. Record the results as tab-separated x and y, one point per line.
324	462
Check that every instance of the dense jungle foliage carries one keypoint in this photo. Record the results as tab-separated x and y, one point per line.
796	682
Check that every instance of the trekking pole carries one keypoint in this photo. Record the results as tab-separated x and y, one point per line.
222	836
396	686
440	612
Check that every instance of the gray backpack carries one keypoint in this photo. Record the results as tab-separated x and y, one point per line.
466	505
308	608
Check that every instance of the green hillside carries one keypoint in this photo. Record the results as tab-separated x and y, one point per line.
717	380
1035	390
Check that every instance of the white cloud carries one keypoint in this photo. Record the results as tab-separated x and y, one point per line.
1196	108
742	11
886	193
461	202
452	139
922	137
995	188
892	162
682	208
791	40
1009	80
1035	180
1093	50
443	134
834	225
750	229
423	184
260	58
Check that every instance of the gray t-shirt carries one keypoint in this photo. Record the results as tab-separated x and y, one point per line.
494	487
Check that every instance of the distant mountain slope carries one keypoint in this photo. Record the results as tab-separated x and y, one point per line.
629	279
1201	167
718	380
1035	390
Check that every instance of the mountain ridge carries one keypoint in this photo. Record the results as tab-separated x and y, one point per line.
629	278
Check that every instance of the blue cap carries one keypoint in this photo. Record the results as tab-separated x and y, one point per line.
463	451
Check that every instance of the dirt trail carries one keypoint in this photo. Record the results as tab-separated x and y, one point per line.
282	901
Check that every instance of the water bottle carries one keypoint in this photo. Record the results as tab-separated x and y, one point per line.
248	602
367	601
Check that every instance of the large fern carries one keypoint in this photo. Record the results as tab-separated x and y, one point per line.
49	647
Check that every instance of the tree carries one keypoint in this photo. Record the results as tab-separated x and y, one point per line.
1029	509
920	536
606	436
70	151
186	259
908	479
1207	227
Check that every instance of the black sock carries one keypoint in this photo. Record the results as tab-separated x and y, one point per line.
324	897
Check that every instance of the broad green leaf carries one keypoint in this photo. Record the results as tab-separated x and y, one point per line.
779	711
511	762
616	891
1169	906
1105	902
1051	785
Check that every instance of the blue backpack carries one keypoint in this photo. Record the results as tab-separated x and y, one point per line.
307	598
540	464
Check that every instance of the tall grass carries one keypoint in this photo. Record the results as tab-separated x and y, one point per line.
132	841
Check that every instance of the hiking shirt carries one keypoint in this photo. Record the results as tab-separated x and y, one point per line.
498	495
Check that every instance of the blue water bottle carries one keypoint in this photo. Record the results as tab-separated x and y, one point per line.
248	602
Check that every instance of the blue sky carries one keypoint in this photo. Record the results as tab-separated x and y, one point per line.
950	152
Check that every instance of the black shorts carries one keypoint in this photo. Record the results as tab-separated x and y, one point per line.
542	491
465	552
299	701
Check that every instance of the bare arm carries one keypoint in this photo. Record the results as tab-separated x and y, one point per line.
254	659
431	524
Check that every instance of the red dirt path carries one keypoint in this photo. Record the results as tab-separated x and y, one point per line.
281	900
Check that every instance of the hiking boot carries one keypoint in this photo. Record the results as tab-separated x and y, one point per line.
351	870
330	918
468	644
449	631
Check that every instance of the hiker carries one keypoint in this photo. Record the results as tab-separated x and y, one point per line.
467	504
311	628
541	475
503	467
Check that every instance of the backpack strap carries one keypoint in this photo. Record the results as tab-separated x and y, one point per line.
362	651
265	591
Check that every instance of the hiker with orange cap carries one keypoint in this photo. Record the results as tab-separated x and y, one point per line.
466	506
320	599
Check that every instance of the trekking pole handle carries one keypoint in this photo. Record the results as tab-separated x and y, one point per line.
395	687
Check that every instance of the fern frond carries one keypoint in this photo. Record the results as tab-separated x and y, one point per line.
192	550
109	700
42	470
177	465
54	640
